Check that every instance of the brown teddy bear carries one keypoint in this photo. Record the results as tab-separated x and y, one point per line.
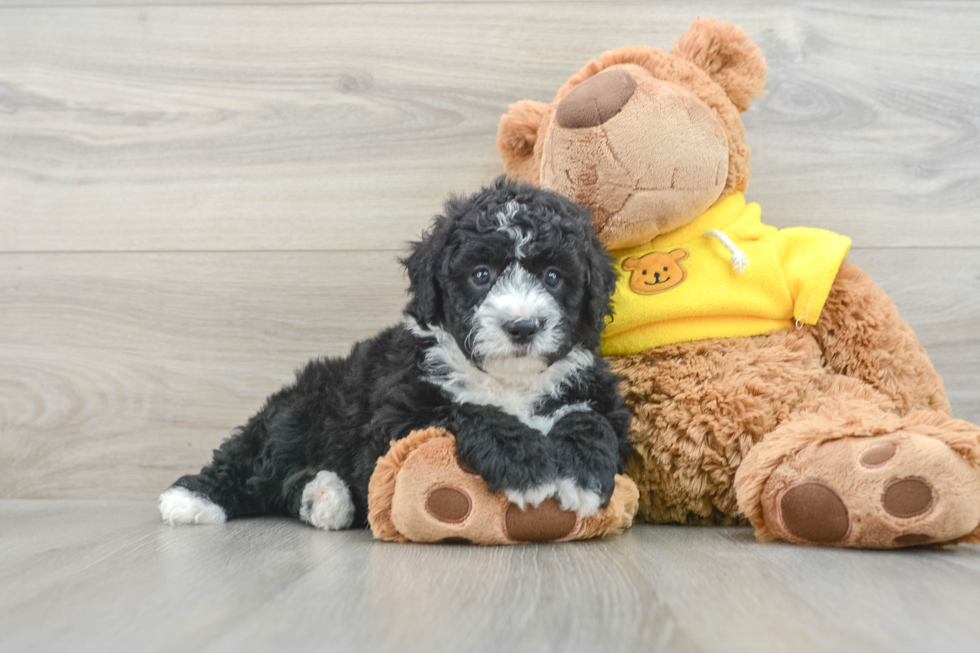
772	380
769	379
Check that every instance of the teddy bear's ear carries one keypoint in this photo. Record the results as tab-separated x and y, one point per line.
727	55
631	264
678	254
516	137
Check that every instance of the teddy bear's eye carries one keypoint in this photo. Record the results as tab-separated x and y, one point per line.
481	276
665	269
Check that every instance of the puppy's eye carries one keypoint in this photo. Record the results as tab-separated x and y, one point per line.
481	276
552	278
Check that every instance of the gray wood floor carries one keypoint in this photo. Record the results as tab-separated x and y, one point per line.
107	576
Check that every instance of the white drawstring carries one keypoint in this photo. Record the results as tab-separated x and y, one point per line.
802	320
739	260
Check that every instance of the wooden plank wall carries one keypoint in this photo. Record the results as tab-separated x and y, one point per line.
195	197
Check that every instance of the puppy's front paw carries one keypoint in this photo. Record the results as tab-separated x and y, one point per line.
533	496
571	496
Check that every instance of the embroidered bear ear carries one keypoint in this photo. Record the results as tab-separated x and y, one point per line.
517	135
727	55
631	264
678	255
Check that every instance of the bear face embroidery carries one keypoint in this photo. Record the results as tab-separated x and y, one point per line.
656	272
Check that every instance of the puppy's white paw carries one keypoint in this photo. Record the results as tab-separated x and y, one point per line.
572	497
326	503
178	505
532	496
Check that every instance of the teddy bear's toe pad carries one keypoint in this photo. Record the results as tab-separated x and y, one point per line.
878	456
907	497
887	491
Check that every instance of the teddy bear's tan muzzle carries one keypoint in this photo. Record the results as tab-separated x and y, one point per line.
645	155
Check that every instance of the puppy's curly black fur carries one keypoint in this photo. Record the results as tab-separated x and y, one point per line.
510	290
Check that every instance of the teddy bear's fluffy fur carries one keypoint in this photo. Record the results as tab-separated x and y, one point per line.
700	408
835	434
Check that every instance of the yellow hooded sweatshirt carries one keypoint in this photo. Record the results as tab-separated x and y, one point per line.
724	275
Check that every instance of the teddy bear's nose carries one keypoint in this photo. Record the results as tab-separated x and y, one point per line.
596	100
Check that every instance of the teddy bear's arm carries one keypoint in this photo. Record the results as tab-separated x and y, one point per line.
862	336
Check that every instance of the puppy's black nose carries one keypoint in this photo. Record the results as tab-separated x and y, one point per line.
521	331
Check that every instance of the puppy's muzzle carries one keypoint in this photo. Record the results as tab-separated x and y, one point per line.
522	331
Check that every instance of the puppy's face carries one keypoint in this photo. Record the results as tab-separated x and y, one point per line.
515	275
511	294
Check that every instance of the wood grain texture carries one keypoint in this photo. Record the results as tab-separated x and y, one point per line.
120	369
199	3
107	576
194	200
343	126
120	372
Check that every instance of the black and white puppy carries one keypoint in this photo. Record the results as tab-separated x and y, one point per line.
510	289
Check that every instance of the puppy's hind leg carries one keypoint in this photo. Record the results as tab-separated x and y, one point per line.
325	501
220	491
179	506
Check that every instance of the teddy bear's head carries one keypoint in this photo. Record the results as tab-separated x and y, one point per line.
646	139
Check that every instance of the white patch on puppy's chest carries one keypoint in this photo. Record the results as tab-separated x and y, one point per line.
519	393
545	423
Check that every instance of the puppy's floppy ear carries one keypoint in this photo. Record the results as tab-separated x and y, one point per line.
517	134
423	265
727	55
600	284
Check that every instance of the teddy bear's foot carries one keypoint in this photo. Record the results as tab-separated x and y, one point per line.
419	493
881	492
